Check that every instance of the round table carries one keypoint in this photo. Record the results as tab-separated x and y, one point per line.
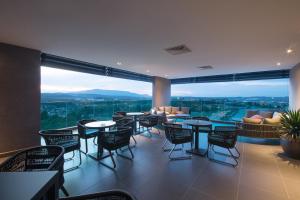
197	124
100	125
134	115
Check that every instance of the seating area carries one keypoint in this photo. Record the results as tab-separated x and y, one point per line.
150	100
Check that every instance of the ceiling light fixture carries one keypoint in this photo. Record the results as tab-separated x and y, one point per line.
278	63
119	63
289	50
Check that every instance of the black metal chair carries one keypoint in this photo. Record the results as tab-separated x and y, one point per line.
85	133
225	137
42	158
106	195
175	134
124	123
148	121
116	139
65	138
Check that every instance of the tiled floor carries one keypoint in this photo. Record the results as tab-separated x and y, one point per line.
263	173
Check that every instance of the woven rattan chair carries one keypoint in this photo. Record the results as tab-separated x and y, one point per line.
116	139
149	122
65	138
225	137
107	195
175	134
85	133
42	158
126	122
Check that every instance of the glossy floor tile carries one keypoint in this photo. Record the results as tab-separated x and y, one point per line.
263	173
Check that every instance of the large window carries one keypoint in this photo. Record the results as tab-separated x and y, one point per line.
69	96
230	100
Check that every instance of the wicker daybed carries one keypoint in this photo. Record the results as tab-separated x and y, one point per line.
260	130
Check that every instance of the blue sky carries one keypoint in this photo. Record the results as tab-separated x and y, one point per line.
57	80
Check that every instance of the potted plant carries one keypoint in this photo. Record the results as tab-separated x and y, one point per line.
290	141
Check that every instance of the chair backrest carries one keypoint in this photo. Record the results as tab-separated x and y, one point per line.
108	195
119	136
81	126
36	158
120	113
53	134
125	122
175	132
229	133
201	118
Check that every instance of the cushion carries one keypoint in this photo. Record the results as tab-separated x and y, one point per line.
272	121
250	113
168	109
153	111
160	112
266	114
179	112
175	110
167	113
252	120
277	114
185	110
161	108
257	117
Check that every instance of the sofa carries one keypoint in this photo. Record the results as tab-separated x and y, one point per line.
170	111
261	124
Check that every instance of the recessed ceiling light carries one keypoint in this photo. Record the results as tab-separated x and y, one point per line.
278	63
289	50
119	63
147	70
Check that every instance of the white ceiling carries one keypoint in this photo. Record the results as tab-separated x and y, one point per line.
232	36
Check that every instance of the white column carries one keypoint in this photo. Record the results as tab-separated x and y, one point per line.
294	92
161	92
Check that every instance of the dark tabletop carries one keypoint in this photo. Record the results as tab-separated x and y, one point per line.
25	185
194	122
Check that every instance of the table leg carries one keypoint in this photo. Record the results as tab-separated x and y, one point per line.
100	150
197	151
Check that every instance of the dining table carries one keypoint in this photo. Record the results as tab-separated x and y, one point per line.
135	115
199	126
101	126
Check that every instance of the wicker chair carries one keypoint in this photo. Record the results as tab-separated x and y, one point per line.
175	134
65	138
116	139
107	195
149	121
126	122
225	137
259	130
42	158
85	133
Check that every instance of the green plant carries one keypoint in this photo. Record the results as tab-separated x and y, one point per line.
291	123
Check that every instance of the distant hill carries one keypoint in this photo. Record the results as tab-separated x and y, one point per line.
95	94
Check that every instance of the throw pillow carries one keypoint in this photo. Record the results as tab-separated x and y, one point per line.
257	117
250	113
175	110
168	109
251	120
272	121
266	114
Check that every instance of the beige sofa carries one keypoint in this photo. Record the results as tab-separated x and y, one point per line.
170	111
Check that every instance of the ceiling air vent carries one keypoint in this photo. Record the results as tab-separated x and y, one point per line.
205	67
180	49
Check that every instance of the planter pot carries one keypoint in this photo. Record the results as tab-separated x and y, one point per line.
290	146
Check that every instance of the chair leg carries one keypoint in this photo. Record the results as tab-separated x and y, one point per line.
121	155
76	167
178	158
63	189
86	146
234	158
134	140
112	159
94	141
